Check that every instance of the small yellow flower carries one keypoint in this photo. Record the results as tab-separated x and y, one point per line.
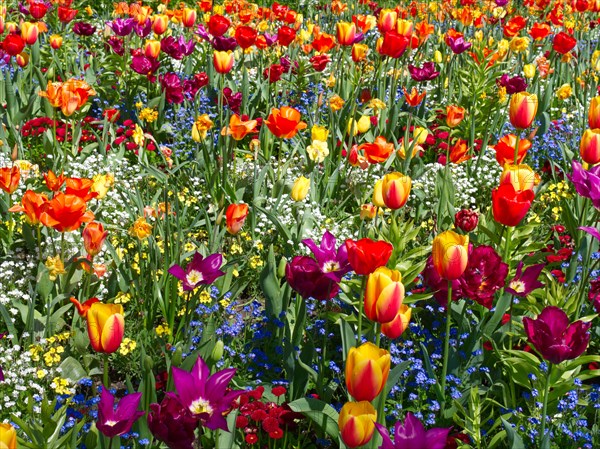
317	151
41	373
205	297
55	266
564	92
138	136
122	298
60	386
127	346
149	115
162	329
141	229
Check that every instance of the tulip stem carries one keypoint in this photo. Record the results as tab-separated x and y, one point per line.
446	345
545	405
517	148
361	306
105	378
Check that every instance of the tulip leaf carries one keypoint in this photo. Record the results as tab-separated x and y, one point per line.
270	286
321	413
514	439
71	369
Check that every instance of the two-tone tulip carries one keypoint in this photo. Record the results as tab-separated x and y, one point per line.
367	370
522	109
450	254
223	61
152	48
378	194
357	423
395	189
384	294
399	324
387	20
235	217
454	115
188	17
589	148
521	176
29	32
8	436
93	237
56	41
346	33
594	112
105	324
359	52
160	23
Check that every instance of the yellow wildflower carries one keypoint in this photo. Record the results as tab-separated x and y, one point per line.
141	229
127	346
55	266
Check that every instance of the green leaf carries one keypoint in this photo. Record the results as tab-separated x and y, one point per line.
514	439
322	414
72	369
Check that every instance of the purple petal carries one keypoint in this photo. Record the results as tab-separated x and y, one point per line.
411	434
385	436
127	407
436	438
556	320
200	371
218	382
185	385
106	406
591	231
178	272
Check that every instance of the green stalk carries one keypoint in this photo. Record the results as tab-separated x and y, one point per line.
105	378
446	344
361	306
545	406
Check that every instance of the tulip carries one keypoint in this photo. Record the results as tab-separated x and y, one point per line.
238	128
522	177
589	148
367	369
200	271
66	14
522	109
450	254
105	324
305	276
368	211
505	150
37	9
387	20
395	189
31	206
218	25
563	43
529	70
404	27
93	237
466	220
346	33
526	281
359	52
285	35
152	48
245	36
411	434
332	260
396	327
160	23
65	213
393	44
285	122
357	423
366	255
425	73
378	194
171	423
29	32
378	151
13	44
510	206
236	217
188	17
8	436
594	112
300	189
554	337
114	422
454	115
586	182
223	61
81	187
484	276
384	294
56	41
9	179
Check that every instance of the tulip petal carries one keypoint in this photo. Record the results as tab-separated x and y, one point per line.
112	333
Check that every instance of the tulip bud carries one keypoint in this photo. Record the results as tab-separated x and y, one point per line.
378	194
368	212
522	109
22	59
93	237
466	220
235	217
152	48
359	52
450	254
454	115
594	112
387	20
346	33
217	352
589	148
281	268
420	135
529	70
357	423
437	57
56	41
300	189
148	363
383	295
395	189
363	124
367	370
399	324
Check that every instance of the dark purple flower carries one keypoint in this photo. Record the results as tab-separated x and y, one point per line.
526	281
587	182
484	276
116	44
200	271
513	84
194	84
411	434
113	422
458	44
205	396
84	29
222	43
172	87
122	27
234	101
171	423
170	46
332	261
594	294
501	2
554	337
425	73
439	286
466	220
143	29
143	65
304	275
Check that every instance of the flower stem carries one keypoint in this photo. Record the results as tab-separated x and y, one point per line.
545	404
105	378
361	306
446	345
517	148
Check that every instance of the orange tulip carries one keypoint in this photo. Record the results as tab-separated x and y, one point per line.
505	149
237	128
454	115
8	436
69	96
367	370
522	177
31	205
395	189
9	179
285	122
522	109
414	98
450	254
52	93
235	217
53	182
383	295
594	113
93	237
399	324
105	324
459	152
81	187
223	61
357	423
65	213
589	148
346	33
378	151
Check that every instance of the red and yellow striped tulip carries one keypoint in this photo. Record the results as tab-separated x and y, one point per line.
383	295
395	189
367	370
594	113
357	423
106	326
589	148
399	324
223	61
346	33
522	109
521	176
450	254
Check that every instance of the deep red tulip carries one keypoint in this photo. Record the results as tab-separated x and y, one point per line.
510	206
563	43
366	255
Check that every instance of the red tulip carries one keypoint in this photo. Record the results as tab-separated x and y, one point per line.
366	255
286	35
563	43
510	206
245	36
218	25
394	44
13	44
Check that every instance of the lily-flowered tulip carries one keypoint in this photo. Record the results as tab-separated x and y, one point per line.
53	182
587	182
204	396
332	260
367	370
505	149
235	217
105	324
223	61
285	122
526	281
395	189
200	271
399	324
8	436
594	113
171	423
114	422
384	294
522	109
450	254
366	255
300	189
425	73
510	206
554	337
93	237
454	115
9	178
412	434
238	128
305	276
357	423
589	148
378	151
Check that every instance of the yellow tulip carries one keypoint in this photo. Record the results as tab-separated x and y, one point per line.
300	188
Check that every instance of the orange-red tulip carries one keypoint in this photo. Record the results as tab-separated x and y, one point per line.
454	115
459	152
93	237
387	20
399	324
238	128
285	122
367	370
522	109
450	254
357	423
65	213
378	151
505	149
223	61
383	295
414	98
31	206
510	206
81	187
589	148
9	178
395	189
236	217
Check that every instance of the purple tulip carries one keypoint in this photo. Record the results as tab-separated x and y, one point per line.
122	27
594	294
143	29
425	73
172	87
84	29
222	43
172	424
113	422
205	396
526	281
554	337
513	84
439	286
194	84
304	275
484	276
200	271
270	39
411	434
143	65
116	44
591	231
587	182
332	262
233	100
458	45
202	32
